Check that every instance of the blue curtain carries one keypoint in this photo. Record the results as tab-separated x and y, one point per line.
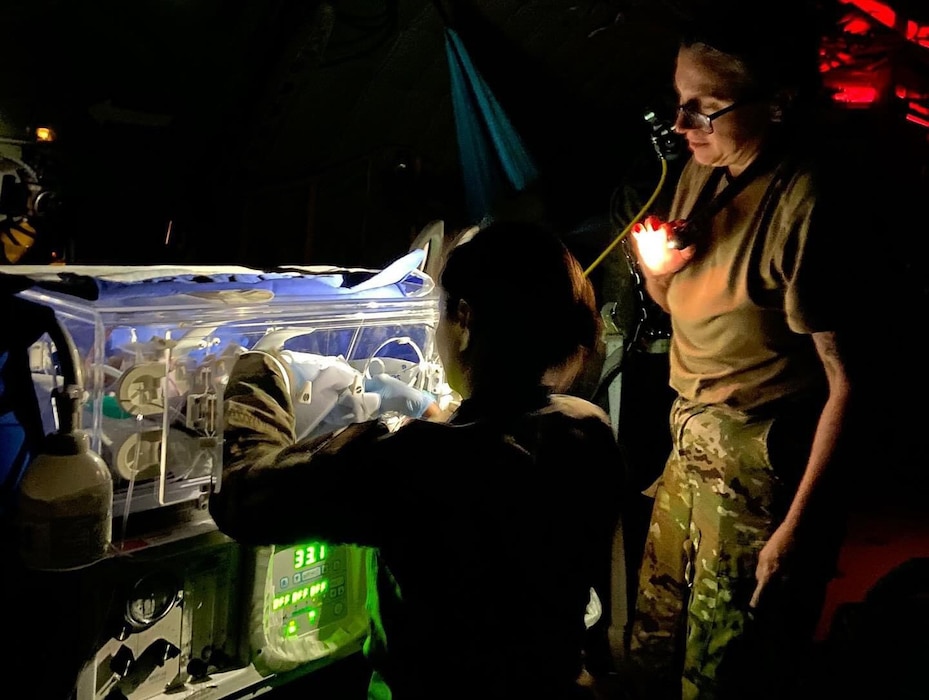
494	160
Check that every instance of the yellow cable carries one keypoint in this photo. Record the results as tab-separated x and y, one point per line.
625	231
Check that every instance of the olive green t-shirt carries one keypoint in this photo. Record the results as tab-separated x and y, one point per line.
743	309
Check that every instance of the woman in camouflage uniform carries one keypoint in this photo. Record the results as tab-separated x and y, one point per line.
744	531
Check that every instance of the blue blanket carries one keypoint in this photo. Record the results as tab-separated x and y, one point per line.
124	283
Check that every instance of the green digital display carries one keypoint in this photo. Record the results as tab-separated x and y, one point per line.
313	591
310	588
304	620
307	555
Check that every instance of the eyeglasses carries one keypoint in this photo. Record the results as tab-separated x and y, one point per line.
690	118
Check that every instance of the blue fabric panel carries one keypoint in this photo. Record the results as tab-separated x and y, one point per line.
492	153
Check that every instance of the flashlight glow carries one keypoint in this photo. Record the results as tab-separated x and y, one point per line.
653	238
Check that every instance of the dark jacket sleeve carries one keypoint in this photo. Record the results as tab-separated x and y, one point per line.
275	491
610	573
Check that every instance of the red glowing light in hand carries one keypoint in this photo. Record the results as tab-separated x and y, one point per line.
655	241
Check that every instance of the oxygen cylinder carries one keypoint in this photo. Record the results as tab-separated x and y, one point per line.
64	509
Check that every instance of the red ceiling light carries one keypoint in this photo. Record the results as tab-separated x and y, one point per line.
862	85
883	13
878	10
918	33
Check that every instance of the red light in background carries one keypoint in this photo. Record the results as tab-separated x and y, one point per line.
857	87
918	34
917	113
855	95
878	10
857	26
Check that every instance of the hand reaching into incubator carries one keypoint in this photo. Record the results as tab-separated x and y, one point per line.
328	393
398	397
655	243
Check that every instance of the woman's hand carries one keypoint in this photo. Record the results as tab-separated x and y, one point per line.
398	397
654	247
772	560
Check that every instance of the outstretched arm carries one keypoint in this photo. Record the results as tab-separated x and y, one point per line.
276	491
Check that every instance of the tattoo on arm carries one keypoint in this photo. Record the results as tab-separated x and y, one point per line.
827	346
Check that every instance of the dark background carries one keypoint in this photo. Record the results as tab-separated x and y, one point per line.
271	132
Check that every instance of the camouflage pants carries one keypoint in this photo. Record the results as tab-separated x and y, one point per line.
718	501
